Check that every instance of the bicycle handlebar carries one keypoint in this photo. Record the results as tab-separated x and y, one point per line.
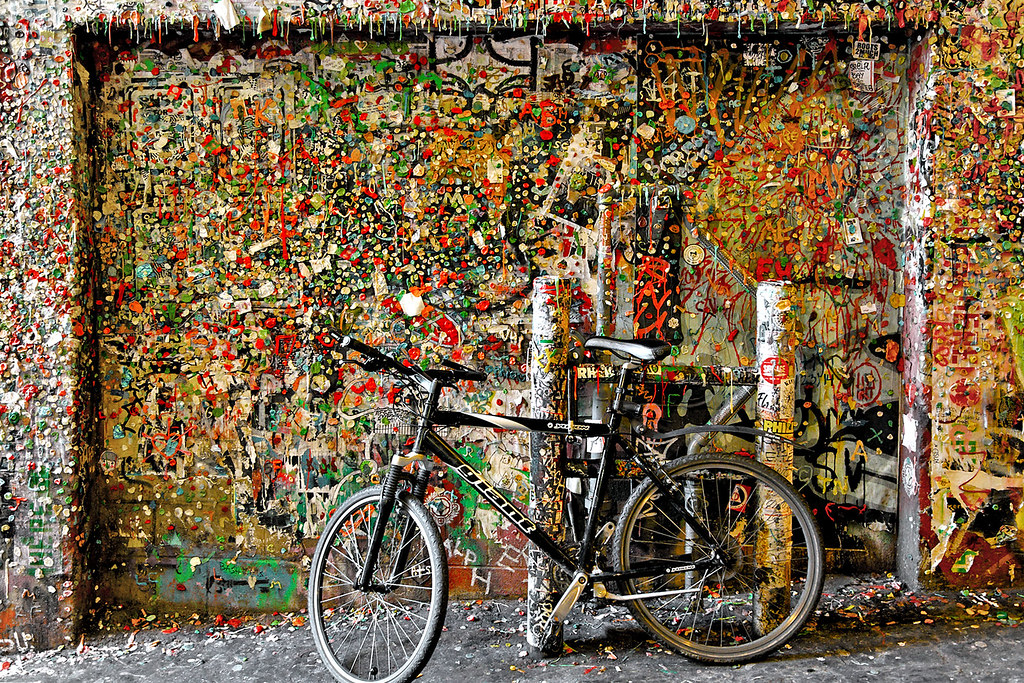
376	361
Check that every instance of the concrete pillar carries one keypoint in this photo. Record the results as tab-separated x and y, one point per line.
914	502
604	297
549	351
776	394
47	407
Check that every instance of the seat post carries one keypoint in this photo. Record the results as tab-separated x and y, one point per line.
620	393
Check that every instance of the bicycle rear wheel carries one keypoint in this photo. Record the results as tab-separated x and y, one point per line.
769	579
388	632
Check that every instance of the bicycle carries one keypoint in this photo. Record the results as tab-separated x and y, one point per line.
716	555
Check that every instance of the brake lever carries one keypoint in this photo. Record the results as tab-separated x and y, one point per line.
468	374
368	364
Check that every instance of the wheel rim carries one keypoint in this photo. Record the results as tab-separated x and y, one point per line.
376	634
728	613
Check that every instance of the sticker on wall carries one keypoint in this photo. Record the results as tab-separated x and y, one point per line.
226	13
694	254
964	562
862	75
1006	102
756	55
863	49
852	232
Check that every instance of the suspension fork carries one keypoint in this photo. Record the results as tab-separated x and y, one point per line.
420	481
389	495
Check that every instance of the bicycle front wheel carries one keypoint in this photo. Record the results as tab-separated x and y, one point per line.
739	578
387	632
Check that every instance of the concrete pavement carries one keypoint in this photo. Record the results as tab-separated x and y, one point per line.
866	629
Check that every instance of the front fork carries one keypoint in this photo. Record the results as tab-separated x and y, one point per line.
389	496
388	499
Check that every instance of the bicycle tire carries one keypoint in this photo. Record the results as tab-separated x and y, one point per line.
373	635
719	616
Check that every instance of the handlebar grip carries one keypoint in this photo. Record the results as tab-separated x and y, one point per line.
461	372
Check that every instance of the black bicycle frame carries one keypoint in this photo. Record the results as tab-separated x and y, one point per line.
428	443
447	418
437	446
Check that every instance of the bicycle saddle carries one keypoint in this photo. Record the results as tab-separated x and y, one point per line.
644	350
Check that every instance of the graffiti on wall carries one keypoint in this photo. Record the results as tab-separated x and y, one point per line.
795	168
410	192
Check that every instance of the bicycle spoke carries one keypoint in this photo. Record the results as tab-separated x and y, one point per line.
409	613
717	618
386	632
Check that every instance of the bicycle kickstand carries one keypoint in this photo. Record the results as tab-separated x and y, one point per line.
565	604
